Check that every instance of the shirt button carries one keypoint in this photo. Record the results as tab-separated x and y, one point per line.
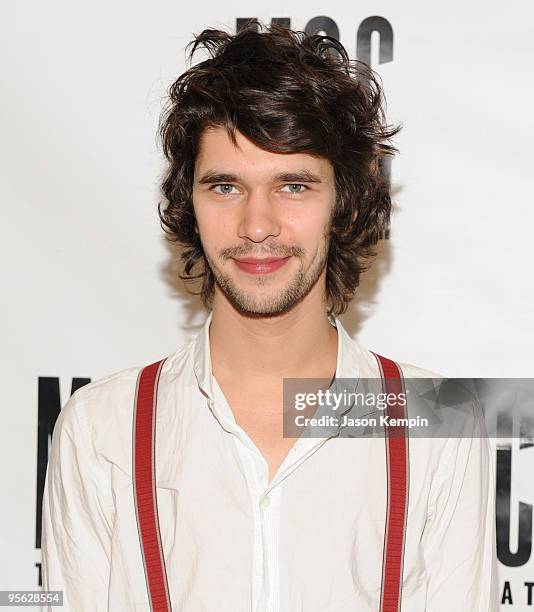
265	501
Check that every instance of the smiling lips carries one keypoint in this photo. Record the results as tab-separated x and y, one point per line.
260	266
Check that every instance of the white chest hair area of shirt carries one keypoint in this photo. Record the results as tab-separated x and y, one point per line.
259	412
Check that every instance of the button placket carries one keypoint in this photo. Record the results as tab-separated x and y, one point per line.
270	517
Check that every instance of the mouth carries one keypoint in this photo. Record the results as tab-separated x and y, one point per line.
261	266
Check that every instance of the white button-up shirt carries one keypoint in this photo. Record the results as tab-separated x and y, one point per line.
311	540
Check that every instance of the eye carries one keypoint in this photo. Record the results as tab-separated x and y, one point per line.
225	188
294	188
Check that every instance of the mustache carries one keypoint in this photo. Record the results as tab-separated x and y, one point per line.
274	250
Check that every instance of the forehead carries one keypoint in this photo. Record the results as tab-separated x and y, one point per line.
217	151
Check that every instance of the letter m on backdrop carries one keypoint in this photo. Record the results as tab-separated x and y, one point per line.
49	407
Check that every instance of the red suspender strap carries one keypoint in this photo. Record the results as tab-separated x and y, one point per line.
398	478
144	486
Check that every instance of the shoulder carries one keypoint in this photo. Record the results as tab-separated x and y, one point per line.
103	409
356	356
369	364
106	392
410	370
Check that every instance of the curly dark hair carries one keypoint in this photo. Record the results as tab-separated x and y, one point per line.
288	92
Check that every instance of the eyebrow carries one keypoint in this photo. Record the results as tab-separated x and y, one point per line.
212	177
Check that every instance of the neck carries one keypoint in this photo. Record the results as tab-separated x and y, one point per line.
299	343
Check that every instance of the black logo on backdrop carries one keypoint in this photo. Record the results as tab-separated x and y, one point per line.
49	406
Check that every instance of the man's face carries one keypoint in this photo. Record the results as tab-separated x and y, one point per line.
264	221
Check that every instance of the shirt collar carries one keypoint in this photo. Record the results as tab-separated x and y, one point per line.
348	356
202	358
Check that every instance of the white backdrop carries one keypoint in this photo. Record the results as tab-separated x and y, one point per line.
88	279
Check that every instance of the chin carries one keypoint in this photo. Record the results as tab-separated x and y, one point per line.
262	312
262	295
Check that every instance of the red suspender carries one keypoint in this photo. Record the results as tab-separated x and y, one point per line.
398	477
146	505
144	477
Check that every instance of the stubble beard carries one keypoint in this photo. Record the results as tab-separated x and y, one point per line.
282	301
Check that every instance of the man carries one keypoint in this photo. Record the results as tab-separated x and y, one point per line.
274	192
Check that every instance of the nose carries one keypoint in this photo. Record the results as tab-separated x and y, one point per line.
259	218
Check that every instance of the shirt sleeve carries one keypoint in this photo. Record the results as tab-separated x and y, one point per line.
76	519
459	537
